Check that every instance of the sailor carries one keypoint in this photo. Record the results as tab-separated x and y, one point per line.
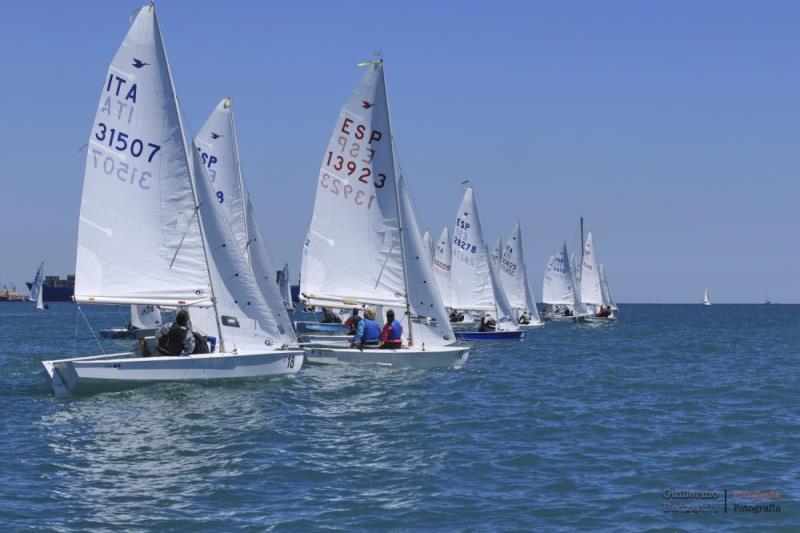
525	318
368	332
488	323
352	321
176	338
392	334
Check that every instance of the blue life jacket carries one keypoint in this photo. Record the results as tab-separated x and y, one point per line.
372	332
397	331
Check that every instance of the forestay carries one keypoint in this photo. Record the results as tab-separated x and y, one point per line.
138	220
352	249
591	291
442	265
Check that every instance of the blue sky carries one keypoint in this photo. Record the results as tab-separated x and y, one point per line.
672	127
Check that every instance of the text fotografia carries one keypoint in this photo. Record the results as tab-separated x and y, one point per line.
691	501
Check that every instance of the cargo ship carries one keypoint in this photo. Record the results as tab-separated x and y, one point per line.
57	289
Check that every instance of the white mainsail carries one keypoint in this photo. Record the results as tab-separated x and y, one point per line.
218	152
474	281
558	287
427	242
514	277
591	290
146	317
138	212
352	252
706	300
37	291
442	265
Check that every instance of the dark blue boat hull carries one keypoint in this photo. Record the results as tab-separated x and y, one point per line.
489	335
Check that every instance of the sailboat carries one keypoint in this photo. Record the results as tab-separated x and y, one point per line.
363	245
592	294
148	213
474	282
513	276
37	292
559	289
145	321
706	300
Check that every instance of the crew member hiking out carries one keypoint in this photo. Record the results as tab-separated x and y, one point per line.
352	322
392	334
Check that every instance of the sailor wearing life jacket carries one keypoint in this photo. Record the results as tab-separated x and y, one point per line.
176	338
368	331
392	334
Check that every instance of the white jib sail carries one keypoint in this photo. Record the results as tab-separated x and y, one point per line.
559	283
432	322
442	265
138	219
591	291
146	317
514	277
37	290
218	149
246	322
352	249
497	253
607	298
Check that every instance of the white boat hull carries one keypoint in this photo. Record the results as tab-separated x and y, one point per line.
415	357
531	325
125	370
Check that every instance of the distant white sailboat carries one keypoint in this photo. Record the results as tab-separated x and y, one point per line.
145	320
474	282
364	246
513	276
559	288
37	292
157	221
593	296
706	300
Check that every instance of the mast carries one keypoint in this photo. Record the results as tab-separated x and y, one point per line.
191	169
397	196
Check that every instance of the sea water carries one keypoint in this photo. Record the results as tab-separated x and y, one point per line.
655	421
